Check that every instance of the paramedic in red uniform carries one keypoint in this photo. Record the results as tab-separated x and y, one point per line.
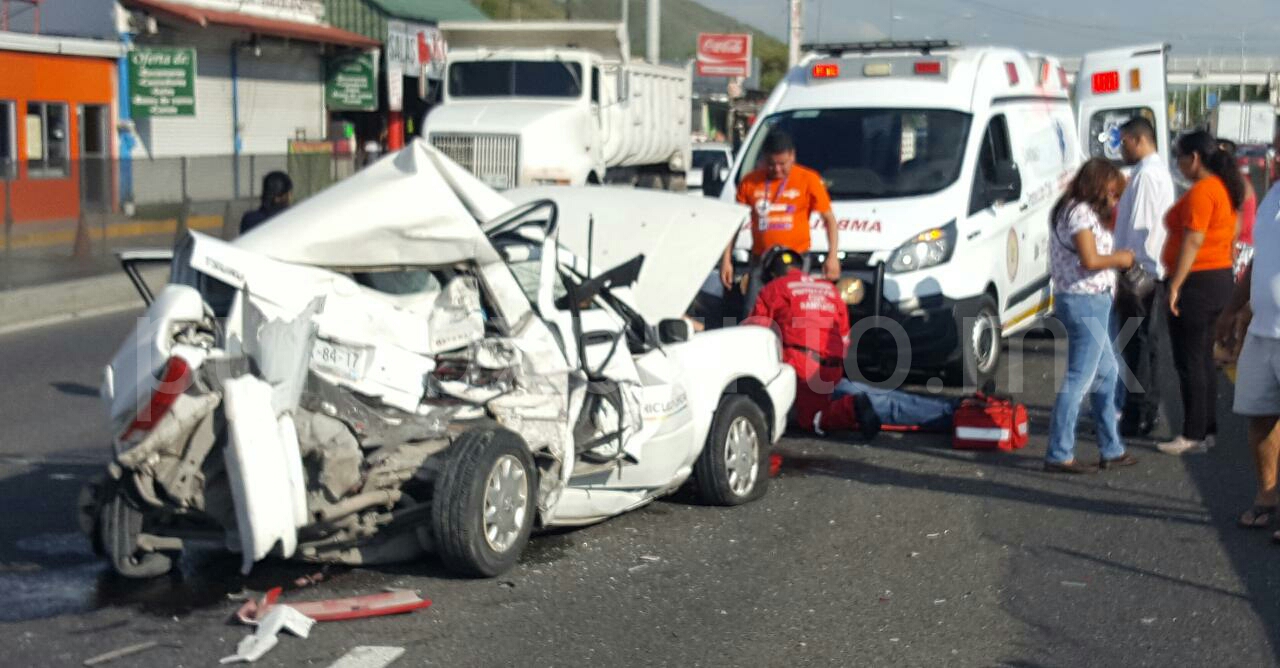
783	197
813	323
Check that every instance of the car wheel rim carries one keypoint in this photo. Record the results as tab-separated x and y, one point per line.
985	342
742	456
506	502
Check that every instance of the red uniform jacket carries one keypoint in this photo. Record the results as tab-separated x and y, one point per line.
811	320
813	323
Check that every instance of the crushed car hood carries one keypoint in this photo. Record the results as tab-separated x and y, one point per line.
413	207
680	237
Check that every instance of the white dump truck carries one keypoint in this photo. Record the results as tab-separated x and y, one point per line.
560	103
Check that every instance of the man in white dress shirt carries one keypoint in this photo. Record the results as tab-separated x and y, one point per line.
1140	228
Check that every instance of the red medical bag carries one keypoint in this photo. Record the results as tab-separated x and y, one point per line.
984	422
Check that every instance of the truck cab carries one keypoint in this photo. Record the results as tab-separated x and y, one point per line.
942	164
530	104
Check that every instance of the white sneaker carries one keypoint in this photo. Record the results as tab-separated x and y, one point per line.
1181	446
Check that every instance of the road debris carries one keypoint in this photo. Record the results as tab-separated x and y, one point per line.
308	580
913	555
775	465
280	618
649	557
356	607
1073	583
1148	620
125	651
368	656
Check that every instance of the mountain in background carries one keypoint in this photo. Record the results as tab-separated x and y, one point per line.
682	20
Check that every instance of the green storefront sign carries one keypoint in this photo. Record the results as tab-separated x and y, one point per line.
162	81
351	83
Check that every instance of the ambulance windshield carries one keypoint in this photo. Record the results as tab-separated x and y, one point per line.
873	153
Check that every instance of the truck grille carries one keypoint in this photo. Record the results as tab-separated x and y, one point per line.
494	159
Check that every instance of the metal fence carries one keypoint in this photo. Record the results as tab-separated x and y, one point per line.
66	220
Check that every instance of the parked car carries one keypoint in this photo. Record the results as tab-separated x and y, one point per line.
708	155
410	362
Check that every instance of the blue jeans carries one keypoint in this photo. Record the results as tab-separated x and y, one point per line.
1092	370
900	408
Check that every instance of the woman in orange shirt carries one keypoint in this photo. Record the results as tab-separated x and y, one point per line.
1198	259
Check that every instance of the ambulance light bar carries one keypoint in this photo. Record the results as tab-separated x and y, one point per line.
924	46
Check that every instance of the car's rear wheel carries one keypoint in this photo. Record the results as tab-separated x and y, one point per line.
119	523
734	465
484	503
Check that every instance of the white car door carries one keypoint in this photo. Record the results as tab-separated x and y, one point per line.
1115	85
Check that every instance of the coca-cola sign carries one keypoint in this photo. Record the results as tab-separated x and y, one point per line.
724	55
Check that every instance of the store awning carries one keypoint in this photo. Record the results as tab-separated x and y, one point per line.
311	32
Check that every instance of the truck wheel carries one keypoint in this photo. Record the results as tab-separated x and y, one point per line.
675	182
483	506
119	524
980	346
650	181
734	465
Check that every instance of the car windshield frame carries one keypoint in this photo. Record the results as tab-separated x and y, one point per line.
948	168
520	74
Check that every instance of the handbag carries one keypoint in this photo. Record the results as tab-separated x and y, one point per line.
1137	282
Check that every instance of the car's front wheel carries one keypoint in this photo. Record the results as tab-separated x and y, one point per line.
484	502
734	465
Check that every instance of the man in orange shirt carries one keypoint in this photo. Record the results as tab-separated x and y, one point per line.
783	196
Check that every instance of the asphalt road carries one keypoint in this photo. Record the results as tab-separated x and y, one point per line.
898	552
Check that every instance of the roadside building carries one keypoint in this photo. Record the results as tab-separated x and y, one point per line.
254	71
413	60
57	135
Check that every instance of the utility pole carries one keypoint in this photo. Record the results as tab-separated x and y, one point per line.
652	33
795	32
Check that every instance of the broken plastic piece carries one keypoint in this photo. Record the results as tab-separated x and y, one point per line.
367	656
280	618
356	607
775	465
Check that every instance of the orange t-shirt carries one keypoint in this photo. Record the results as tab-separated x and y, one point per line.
1206	207
780	210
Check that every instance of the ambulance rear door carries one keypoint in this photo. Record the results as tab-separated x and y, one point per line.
1115	85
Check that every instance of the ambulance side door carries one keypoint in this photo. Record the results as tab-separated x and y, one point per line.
1044	141
1115	85
994	202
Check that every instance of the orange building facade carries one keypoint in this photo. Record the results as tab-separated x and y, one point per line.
57	130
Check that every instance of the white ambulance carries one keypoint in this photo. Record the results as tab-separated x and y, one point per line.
942	163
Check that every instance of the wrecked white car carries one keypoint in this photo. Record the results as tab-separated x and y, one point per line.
410	362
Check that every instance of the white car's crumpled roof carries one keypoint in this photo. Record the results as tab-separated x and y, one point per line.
413	207
418	208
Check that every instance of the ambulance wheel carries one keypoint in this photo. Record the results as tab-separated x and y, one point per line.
484	502
734	465
119	523
980	346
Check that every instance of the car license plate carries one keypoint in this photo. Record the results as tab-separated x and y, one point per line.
338	359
